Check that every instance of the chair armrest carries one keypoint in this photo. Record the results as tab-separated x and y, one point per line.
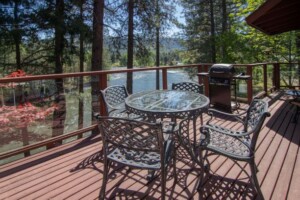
237	117
96	115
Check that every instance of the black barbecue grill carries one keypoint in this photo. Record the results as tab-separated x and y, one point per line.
221	78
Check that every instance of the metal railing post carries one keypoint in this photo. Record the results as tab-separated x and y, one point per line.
249	84
102	85
206	82
199	68
165	79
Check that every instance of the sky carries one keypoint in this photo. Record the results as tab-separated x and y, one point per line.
179	15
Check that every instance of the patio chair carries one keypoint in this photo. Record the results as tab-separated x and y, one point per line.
114	100
136	144
192	87
234	144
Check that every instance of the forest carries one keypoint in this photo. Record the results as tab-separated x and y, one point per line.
58	36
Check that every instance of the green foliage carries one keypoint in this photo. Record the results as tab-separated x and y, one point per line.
234	43
239	43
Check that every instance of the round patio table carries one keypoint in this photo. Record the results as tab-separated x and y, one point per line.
166	104
174	104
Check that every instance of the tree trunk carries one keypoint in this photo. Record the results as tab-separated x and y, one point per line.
298	53
212	32
17	35
59	41
290	60
59	117
97	51
130	45
224	29
81	48
59	36
97	46
59	46
81	69
157	43
25	139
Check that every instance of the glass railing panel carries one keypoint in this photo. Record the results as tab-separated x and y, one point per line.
257	79
34	111
289	75
270	75
241	85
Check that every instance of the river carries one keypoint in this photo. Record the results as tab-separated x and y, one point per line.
146	80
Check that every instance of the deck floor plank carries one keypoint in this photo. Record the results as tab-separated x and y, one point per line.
281	188
49	168
280	149
44	174
294	191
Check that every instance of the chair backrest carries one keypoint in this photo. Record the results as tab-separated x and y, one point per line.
185	137
132	136
188	86
114	97
256	115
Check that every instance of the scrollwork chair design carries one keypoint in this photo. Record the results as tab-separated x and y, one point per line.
234	144
191	87
188	86
136	144
114	100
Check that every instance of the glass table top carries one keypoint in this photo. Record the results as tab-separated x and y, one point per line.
166	101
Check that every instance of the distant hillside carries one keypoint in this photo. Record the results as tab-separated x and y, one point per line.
166	43
171	43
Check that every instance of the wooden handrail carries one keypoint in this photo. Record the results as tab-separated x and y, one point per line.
90	73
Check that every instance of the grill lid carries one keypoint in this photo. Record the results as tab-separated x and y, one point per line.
222	68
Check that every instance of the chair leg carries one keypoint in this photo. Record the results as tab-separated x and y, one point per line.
201	162
104	181
254	179
150	175
163	182
194	130
174	169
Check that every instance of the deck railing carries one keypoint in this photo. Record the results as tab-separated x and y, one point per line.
271	80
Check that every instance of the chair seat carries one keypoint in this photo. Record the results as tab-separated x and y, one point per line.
232	146
149	160
136	144
141	159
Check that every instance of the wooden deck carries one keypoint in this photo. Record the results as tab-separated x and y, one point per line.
74	170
